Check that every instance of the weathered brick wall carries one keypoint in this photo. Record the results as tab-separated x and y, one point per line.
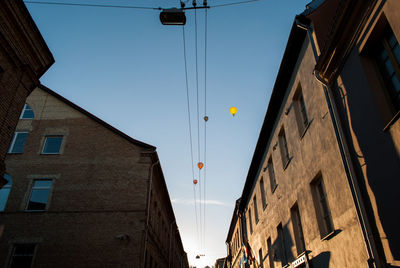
99	191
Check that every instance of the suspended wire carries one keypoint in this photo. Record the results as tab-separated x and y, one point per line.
234	3
89	5
205	124
190	128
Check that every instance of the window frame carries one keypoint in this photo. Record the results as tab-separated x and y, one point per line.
12	144
255	209
271	173
27	107
32	188
44	144
302	117
297	229
382	45
5	187
13	249
263	193
322	209
250	221
284	148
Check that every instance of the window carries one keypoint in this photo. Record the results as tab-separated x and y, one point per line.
18	143
270	253
297	229
255	208
52	145
27	112
388	59
39	195
22	255
284	148
321	207
5	191
271	173
300	111
263	197
250	222
282	246
260	256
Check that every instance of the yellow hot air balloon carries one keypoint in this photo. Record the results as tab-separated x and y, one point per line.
233	110
200	165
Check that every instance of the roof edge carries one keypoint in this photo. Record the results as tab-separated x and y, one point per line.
96	119
288	63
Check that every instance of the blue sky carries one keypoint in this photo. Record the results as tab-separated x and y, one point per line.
125	67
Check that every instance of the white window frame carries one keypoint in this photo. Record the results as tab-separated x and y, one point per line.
13	142
52	136
23	111
39	188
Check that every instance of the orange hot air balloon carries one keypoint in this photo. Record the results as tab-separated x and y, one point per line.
200	165
194	181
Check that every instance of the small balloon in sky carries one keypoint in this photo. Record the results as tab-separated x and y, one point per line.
233	110
194	181
206	118
200	165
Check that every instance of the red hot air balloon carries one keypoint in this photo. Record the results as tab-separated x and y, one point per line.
195	181
200	165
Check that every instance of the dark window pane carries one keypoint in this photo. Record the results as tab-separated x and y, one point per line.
52	145
27	112
8	179
39	195
396	83
392	40
42	183
19	142
22	256
4	192
389	67
396	53
383	54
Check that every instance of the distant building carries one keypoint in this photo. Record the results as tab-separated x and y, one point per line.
220	263
234	239
83	194
24	58
322	186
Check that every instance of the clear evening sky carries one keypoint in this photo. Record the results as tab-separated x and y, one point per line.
125	67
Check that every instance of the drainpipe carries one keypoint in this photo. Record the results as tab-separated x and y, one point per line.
373	259
148	210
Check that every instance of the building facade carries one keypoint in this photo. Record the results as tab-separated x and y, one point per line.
321	187
24	58
93	196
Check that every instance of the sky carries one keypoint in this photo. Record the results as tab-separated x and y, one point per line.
128	69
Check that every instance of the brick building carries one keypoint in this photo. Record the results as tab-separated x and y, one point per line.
321	190
24	58
83	194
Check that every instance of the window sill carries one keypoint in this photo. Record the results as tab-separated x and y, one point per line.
30	211
49	153
329	235
273	189
287	163
392	121
306	128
